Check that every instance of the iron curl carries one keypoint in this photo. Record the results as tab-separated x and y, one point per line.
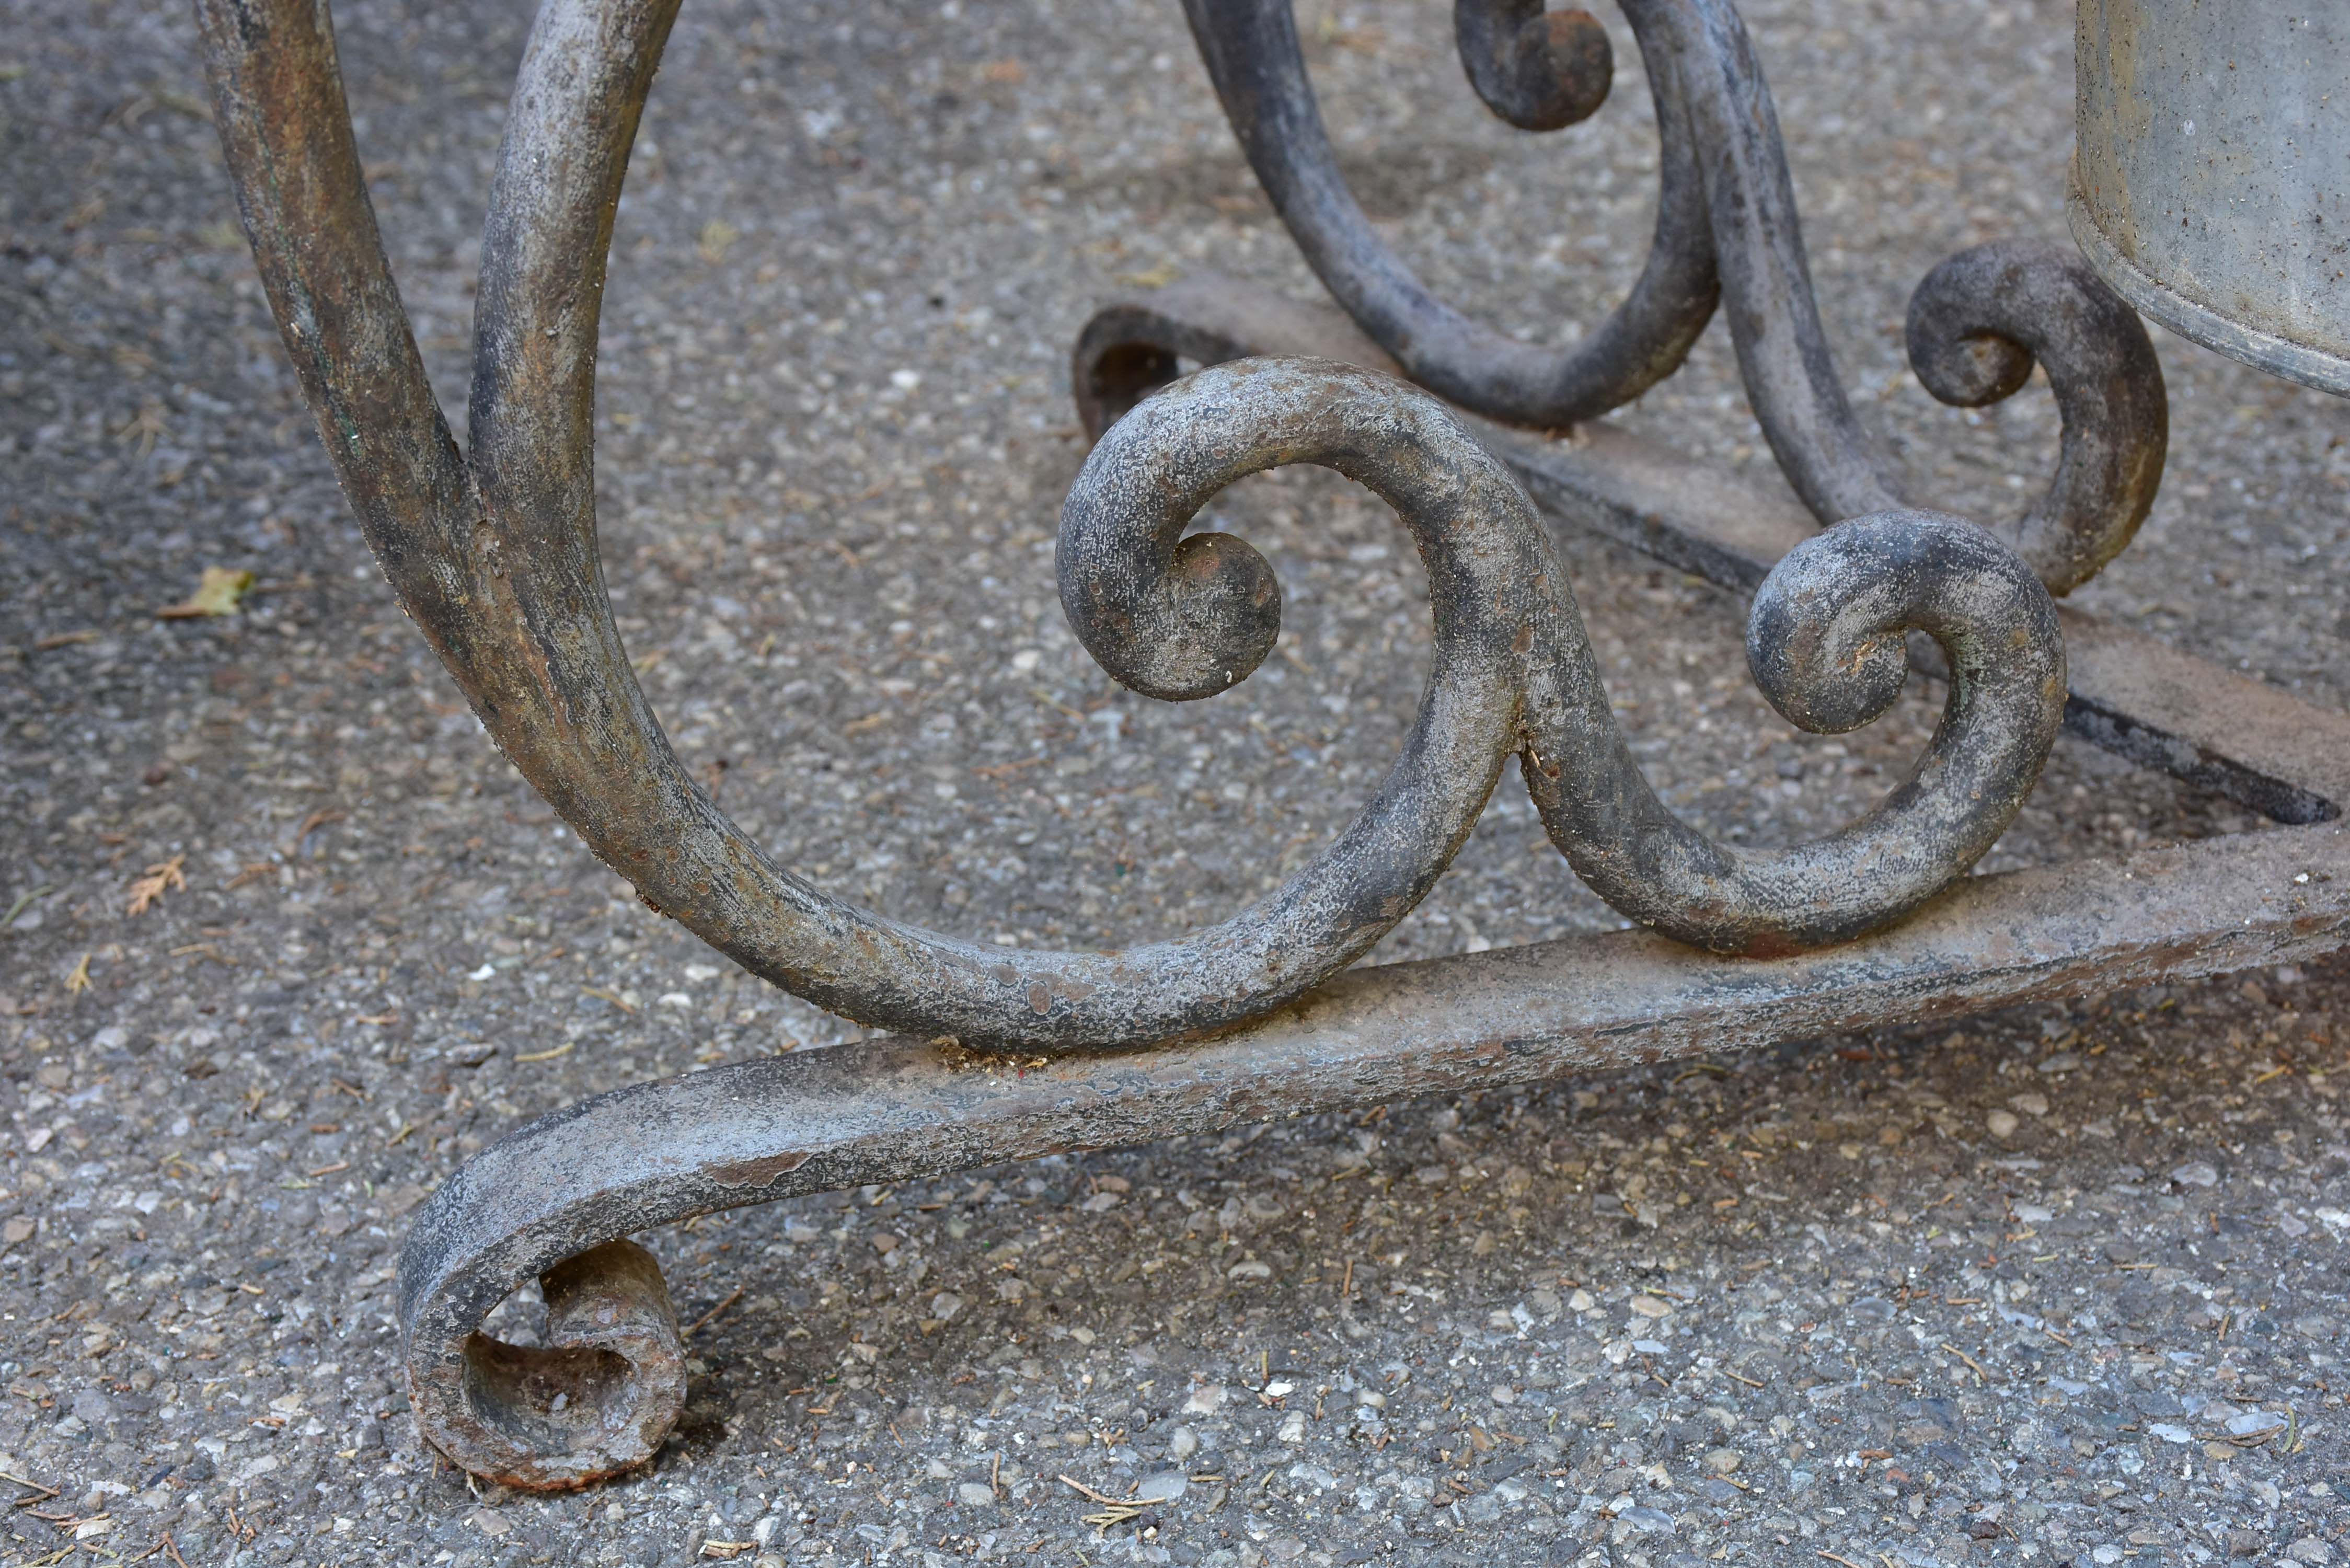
1727	230
1824	640
1539	70
1977	324
1531	67
1513	670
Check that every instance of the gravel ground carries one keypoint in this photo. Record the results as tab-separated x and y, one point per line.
2062	1285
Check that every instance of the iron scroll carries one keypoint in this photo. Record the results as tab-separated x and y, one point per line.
494	554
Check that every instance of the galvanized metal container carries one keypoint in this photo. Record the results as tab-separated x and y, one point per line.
2211	182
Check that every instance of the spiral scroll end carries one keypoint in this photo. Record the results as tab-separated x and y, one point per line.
1969	372
595	1401
1539	70
1825	668
1976	325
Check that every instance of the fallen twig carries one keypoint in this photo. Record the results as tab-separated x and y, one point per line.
703	1321
1972	1364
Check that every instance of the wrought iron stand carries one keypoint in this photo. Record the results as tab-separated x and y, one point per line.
1000	1055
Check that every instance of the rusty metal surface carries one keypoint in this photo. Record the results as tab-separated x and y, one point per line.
2130	693
596	1398
655	1153
2212	177
1726	222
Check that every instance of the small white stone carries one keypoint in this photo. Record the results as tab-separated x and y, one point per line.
1205	1400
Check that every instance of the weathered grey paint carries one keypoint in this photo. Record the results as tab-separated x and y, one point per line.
2211	185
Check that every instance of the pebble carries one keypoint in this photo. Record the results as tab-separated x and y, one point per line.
1205	1400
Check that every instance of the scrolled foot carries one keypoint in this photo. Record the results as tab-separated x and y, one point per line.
594	1400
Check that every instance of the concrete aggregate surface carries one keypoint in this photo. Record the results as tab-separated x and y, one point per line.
2060	1286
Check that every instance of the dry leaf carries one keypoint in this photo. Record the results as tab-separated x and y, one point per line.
144	429
157	880
79	979
717	236
217	595
1159	276
1011	73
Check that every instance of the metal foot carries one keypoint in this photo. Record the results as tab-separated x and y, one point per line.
893	1109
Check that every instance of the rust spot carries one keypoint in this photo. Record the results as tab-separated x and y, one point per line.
1770	945
757	1172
